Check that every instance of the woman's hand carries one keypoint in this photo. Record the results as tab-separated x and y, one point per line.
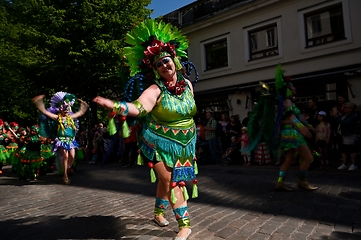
104	102
83	105
305	132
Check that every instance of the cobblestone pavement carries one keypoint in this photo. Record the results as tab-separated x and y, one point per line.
235	203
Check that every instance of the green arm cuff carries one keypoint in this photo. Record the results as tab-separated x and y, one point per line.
139	106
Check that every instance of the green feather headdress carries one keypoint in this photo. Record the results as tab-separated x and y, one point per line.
151	40
280	83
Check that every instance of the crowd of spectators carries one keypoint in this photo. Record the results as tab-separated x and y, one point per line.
334	135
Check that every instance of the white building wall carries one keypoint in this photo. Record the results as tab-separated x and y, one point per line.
295	58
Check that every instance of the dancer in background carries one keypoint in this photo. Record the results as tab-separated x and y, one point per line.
12	147
30	155
64	125
293	131
3	151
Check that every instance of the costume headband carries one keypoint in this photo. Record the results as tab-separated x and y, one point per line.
150	41
62	101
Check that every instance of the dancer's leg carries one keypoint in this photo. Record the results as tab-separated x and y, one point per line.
289	158
164	189
71	157
162	194
306	157
65	157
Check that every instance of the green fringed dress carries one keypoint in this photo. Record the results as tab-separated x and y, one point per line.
169	133
290	137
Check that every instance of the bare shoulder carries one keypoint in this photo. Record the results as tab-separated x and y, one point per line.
189	84
150	94
152	89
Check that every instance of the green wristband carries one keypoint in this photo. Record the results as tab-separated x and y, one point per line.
121	108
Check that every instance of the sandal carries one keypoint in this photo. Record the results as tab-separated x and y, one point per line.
66	181
161	223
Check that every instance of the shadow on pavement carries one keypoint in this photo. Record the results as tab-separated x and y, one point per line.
91	227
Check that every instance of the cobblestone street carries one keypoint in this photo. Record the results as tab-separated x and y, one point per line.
234	203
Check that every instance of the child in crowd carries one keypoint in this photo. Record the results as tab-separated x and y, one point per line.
323	134
244	147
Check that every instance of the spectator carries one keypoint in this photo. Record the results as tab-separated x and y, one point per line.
210	136
233	128
244	147
222	132
337	110
130	146
323	134
313	110
348	129
246	119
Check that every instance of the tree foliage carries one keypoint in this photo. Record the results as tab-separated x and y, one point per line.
62	45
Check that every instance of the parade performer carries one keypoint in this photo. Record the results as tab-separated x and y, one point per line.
261	123
12	147
168	136
29	154
64	124
293	131
3	151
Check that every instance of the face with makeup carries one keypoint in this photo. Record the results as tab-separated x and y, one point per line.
166	68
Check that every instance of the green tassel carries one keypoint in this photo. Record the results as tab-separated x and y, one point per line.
111	126
185	193
195	168
173	199
153	178
125	129
195	191
140	160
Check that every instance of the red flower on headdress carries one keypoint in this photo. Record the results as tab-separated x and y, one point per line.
155	49
13	124
170	48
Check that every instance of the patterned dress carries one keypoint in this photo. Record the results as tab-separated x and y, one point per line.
169	134
65	138
290	137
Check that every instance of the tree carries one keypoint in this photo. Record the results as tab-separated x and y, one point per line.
63	45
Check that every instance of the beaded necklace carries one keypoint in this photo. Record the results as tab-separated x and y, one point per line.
178	88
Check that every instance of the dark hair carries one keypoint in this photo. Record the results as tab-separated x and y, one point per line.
314	99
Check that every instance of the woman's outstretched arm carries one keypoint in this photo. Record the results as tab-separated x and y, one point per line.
39	103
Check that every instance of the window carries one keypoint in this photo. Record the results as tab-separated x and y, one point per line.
263	42
216	54
324	26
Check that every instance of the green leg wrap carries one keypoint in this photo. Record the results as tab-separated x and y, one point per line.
160	206
281	176
182	216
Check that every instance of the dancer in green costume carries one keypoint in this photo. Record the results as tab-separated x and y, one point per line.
293	131
168	136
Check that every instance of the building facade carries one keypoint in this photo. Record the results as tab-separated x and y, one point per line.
235	44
